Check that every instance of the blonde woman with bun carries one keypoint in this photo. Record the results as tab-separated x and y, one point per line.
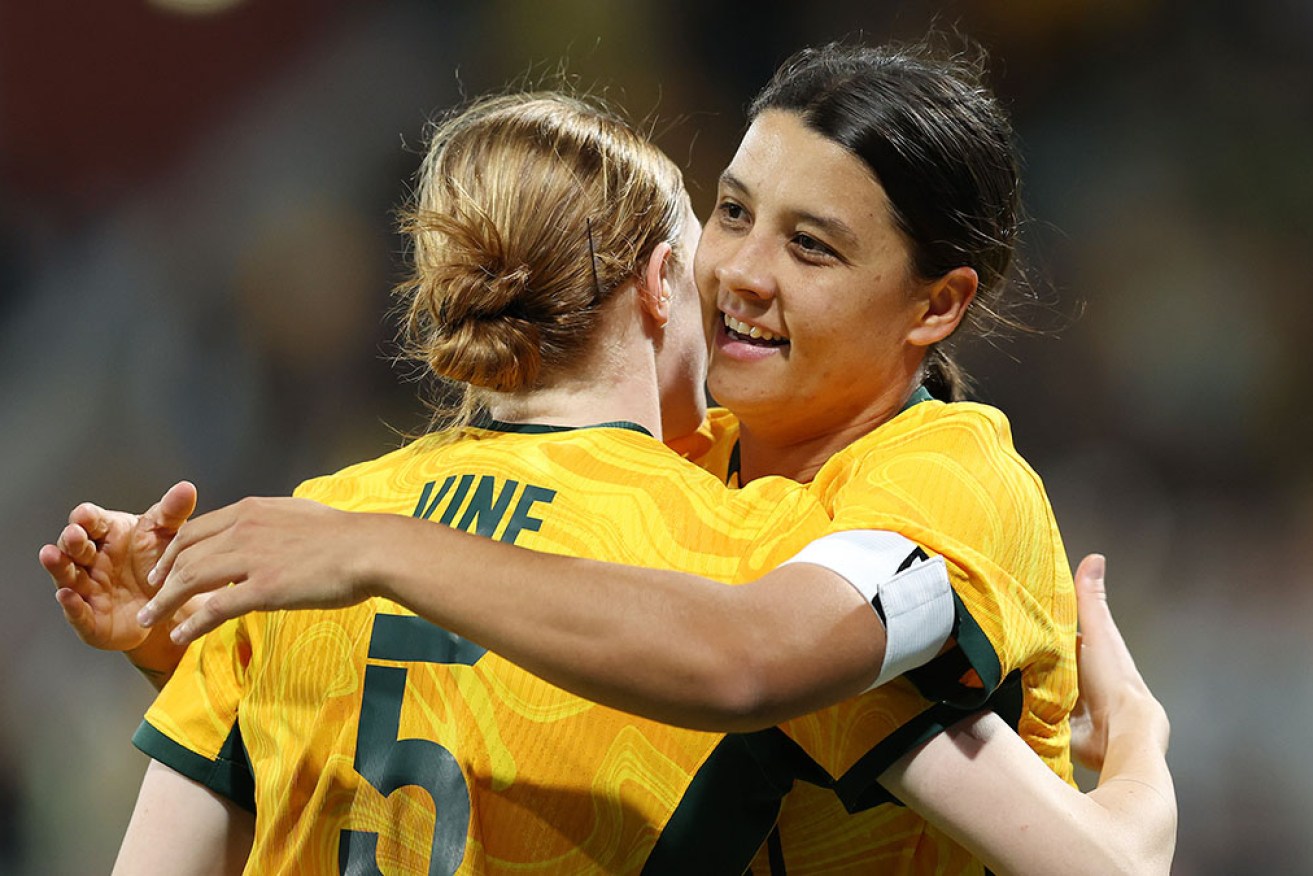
552	284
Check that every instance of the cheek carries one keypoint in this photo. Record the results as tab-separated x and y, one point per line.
844	344
706	289
704	271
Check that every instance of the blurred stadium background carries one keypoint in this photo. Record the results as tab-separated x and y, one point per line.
195	257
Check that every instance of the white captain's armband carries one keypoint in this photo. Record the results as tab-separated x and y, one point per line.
908	589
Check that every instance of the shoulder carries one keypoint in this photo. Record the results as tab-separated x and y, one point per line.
935	426
935	441
397	466
948	469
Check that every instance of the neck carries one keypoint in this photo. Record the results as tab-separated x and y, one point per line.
796	449
616	380
799	459
580	403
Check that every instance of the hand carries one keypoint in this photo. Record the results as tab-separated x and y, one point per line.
100	562
99	565
276	554
1113	695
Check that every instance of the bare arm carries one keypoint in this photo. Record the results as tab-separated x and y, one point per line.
983	786
182	828
671	646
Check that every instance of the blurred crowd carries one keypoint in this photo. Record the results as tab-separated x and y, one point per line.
196	252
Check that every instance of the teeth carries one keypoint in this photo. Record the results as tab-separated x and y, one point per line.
751	331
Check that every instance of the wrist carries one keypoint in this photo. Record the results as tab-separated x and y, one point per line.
157	656
367	572
1139	717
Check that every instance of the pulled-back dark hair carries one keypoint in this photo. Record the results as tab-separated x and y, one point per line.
941	148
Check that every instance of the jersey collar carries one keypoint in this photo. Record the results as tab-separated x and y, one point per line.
543	429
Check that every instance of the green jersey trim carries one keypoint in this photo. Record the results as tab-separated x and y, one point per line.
730	807
228	775
859	788
492	425
942	679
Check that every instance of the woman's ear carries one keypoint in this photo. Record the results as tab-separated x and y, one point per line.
944	303
654	291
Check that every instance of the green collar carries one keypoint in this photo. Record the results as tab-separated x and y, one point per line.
921	395
543	429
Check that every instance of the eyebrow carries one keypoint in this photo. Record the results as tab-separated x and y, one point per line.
829	224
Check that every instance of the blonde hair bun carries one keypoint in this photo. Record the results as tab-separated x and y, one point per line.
531	210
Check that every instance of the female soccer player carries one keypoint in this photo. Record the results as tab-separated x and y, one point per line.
830	290
553	279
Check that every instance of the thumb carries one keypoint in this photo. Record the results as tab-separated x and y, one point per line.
1091	598
174	507
1090	578
1093	614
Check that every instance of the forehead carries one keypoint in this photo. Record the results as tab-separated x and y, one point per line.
781	155
783	164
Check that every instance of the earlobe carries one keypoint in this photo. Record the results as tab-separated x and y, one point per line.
944	305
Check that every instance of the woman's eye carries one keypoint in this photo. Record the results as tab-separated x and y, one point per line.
730	211
813	247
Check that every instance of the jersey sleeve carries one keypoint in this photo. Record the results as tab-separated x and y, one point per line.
958	491
192	726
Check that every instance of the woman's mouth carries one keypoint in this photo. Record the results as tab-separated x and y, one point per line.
737	330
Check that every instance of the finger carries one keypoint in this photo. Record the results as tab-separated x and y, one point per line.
92	518
76	612
174	507
191	533
1092	595
76	542
219	606
1100	636
61	568
205	567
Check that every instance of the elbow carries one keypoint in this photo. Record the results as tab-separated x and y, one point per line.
1148	856
738	702
736	693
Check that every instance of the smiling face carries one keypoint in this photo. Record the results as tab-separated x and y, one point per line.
807	287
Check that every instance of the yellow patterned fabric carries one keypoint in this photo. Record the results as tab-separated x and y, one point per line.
947	477
378	742
714	447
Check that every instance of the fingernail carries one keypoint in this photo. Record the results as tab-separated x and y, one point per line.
179	634
146	616
1100	564
152	577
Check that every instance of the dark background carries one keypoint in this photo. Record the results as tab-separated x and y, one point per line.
196	253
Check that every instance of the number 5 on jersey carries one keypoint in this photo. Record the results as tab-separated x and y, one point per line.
388	762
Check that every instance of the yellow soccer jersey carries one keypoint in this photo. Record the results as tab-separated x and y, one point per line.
947	477
714	447
377	742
